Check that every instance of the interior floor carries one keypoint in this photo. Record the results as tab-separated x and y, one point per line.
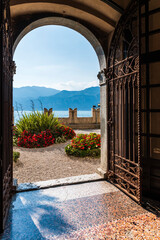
95	210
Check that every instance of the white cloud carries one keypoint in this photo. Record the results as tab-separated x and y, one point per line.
60	85
74	85
56	76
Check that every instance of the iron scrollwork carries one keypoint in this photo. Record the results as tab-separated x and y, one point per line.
122	76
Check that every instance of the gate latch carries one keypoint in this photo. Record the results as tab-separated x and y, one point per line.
110	122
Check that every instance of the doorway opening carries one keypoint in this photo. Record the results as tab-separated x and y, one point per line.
56	69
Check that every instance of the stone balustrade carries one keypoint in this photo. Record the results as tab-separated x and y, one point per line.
76	122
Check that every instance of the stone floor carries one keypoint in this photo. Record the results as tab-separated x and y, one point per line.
95	210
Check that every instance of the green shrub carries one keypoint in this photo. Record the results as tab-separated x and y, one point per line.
15	141
36	122
15	136
61	139
85	145
16	155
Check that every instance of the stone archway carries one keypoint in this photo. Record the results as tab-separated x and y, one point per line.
102	65
70	24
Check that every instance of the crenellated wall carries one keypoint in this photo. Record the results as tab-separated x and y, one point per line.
76	122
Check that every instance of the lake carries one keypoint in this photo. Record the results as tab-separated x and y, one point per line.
56	113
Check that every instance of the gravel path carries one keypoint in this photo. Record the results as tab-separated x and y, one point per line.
51	163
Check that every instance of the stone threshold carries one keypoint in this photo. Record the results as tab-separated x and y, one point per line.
22	187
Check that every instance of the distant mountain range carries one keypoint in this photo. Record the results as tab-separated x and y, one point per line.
33	92
52	98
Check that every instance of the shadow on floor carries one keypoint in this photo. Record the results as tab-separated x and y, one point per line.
35	216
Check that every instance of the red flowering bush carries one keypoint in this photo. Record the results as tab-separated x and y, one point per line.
28	140
86	141
84	145
44	138
67	132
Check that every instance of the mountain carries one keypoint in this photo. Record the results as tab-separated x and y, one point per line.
23	95
33	92
82	100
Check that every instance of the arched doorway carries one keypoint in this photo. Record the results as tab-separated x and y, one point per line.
101	19
93	23
54	50
7	178
102	64
72	25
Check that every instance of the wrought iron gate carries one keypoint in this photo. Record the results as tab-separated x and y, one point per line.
5	111
123	84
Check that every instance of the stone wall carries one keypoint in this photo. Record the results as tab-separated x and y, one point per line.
82	122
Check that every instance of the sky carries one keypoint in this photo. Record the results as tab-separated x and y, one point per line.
55	57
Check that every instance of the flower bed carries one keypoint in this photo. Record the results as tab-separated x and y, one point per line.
37	130
85	145
44	138
28	140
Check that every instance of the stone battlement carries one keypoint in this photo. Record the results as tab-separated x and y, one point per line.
82	122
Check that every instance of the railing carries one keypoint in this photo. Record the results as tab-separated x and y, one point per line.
75	122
